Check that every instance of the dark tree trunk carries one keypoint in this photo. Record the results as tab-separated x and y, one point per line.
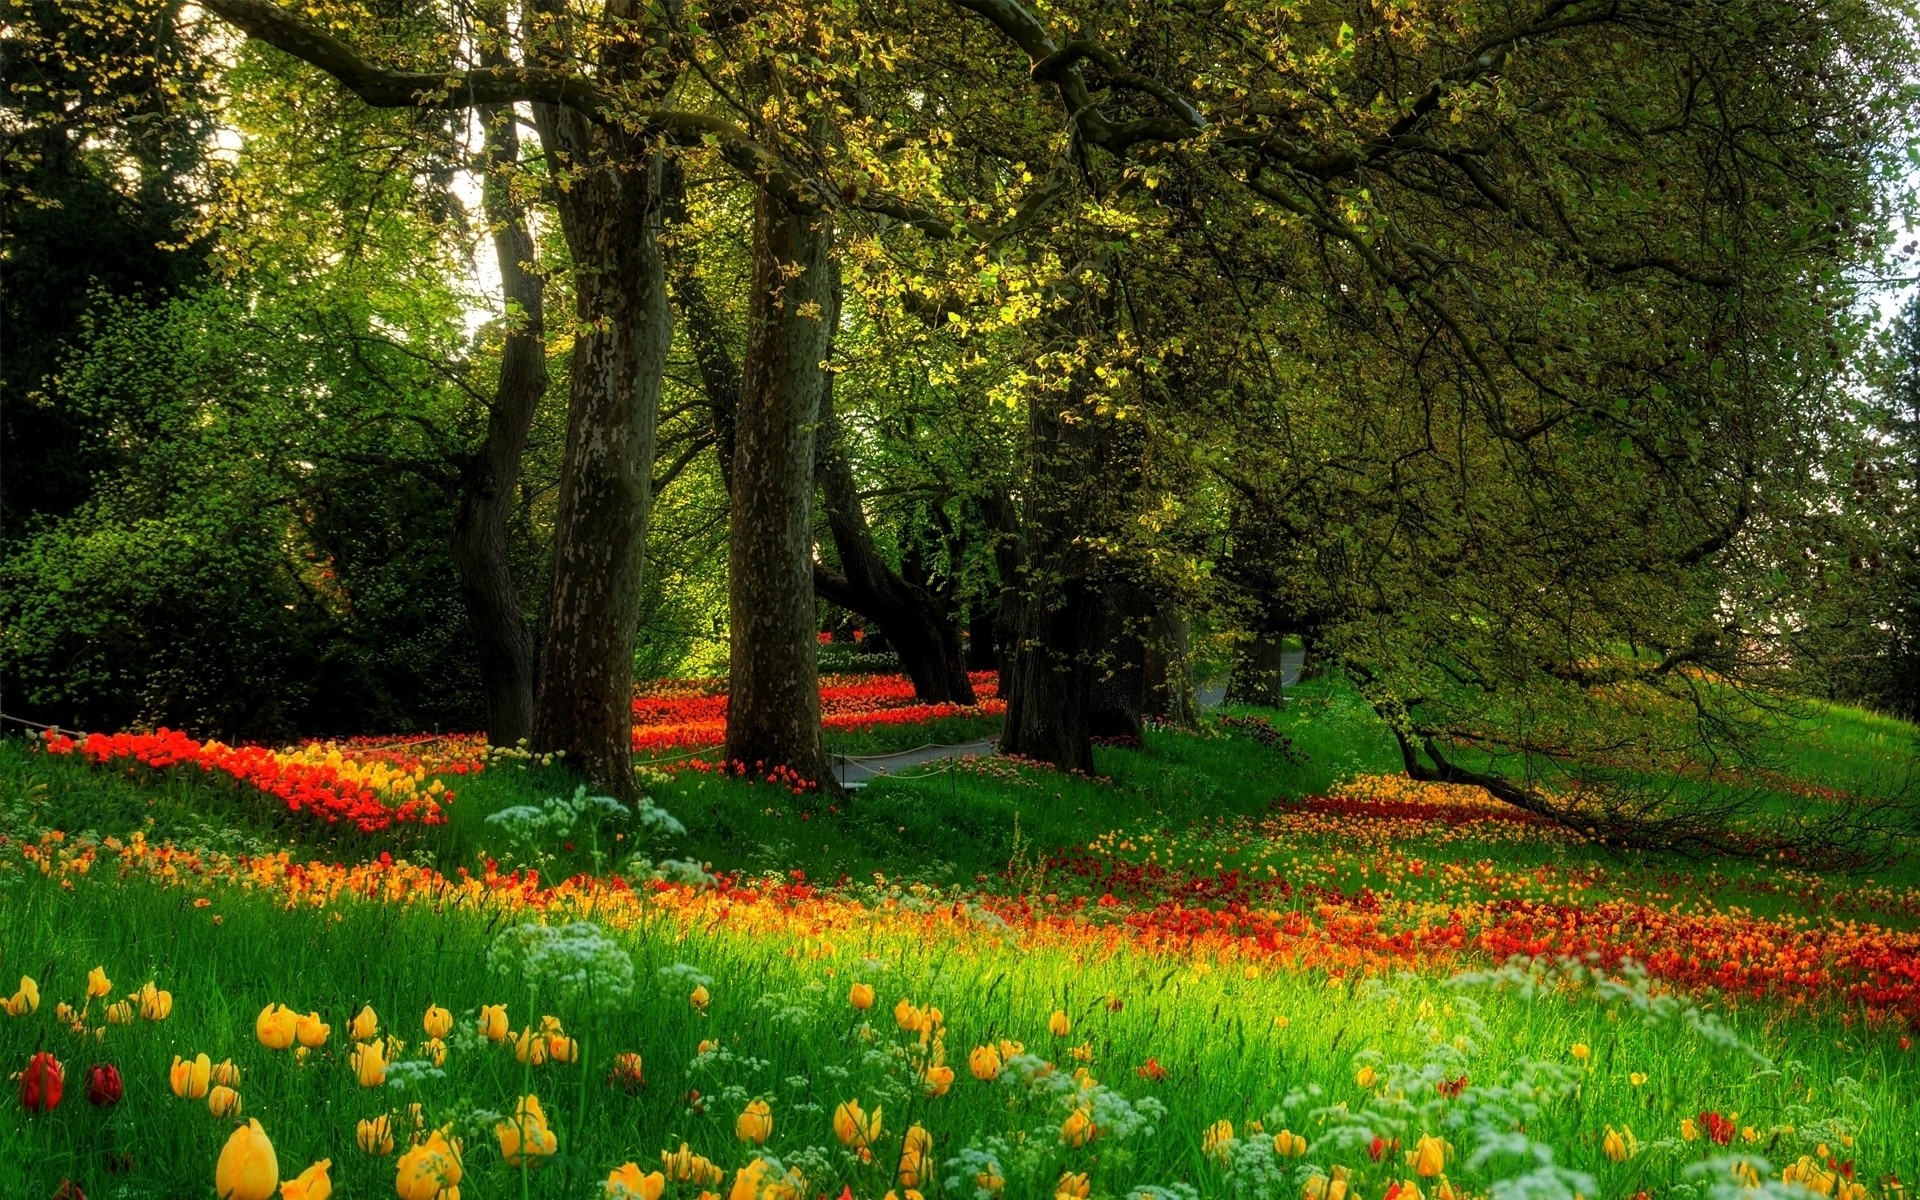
983	652
1118	704
1258	670
611	215
489	479
918	624
1169	669
773	708
1059	620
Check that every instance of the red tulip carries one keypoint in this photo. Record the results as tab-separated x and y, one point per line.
103	1085
41	1082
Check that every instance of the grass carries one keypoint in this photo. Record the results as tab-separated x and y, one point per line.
1261	951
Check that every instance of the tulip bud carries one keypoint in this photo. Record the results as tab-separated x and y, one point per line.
247	1169
755	1123
493	1022
364	1025
42	1083
1058	1024
625	1182
276	1026
437	1022
860	995
375	1136
103	1085
98	984
223	1101
311	1031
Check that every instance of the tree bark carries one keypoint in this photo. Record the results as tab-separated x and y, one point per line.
1118	705
918	624
490	477
1058	620
610	213
1258	670
773	711
1169	669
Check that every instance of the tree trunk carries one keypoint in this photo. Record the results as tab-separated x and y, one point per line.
918	624
1058	620
611	215
489	479
1120	680
773	708
1169	669
1258	670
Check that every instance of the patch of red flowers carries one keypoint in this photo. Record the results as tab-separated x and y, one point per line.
303	787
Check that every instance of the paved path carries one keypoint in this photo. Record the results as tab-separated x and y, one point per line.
858	772
855	773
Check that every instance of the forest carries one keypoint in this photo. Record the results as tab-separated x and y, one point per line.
496	482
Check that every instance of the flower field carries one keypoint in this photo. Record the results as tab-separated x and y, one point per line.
1379	991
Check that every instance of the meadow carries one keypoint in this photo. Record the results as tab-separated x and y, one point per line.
1274	967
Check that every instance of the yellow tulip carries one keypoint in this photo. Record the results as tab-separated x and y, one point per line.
1217	1142
1619	1146
223	1101
684	1166
1689	1130
1321	1187
189	1079
375	1135
1636	1078
1580	1051
247	1169
699	998
988	1181
1288	1144
493	1022
562	1049
1408	1189
364	1025
120	1013
429	1171
1430	1156
914	1152
26	1000
984	1062
369	1063
755	1123
1073	1187
1058	1024
530	1047
755	1182
98	984
860	995
1366	1077
625	1182
1078	1129
435	1050
853	1126
225	1072
155	1005
938	1079
526	1136
310	1184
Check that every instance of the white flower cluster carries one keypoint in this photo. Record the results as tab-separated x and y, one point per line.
576	962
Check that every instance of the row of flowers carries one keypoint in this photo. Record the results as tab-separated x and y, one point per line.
1860	969
316	781
686	715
